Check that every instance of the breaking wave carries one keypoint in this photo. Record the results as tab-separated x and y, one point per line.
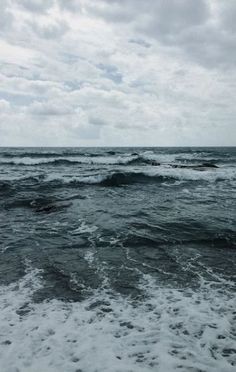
50	154
122	177
118	260
170	330
90	160
146	158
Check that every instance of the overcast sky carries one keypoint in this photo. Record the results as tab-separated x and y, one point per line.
117	72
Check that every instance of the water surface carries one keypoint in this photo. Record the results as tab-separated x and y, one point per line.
117	259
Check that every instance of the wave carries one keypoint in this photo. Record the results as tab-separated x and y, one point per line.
195	166
54	154
166	175
58	162
157	175
158	333
42	154
30	163
133	160
141	160
107	160
113	156
115	179
127	178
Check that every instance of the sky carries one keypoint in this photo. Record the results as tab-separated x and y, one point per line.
117	73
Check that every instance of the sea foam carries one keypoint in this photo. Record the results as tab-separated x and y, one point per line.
170	330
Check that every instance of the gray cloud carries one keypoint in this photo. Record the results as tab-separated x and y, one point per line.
204	30
36	6
170	18
53	30
163	15
141	42
50	109
228	15
70	5
111	72
6	18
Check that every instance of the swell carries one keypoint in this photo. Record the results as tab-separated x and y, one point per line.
140	160
48	154
114	179
124	161
137	160
183	232
118	178
55	162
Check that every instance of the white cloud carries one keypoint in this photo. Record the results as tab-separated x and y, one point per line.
4	106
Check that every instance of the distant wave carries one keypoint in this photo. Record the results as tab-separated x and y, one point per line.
29	163
54	154
135	160
37	154
140	160
73	157
58	162
109	160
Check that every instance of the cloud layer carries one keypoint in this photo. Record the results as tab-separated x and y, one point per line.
117	72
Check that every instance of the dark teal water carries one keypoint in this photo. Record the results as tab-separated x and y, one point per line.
132	248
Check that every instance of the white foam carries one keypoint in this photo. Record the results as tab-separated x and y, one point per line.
27	160
172	157
84	228
190	174
171	330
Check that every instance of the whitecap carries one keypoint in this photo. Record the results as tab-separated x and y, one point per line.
170	330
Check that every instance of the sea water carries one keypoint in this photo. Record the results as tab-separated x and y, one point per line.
117	259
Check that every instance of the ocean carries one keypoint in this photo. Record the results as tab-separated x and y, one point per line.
117	259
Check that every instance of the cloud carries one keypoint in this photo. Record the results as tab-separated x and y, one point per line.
70	5
50	109
51	30
111	72
204	30
36	6
6	18
158	17
227	14
4	106
141	42
117	72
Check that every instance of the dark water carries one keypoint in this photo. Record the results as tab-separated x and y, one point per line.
117	259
